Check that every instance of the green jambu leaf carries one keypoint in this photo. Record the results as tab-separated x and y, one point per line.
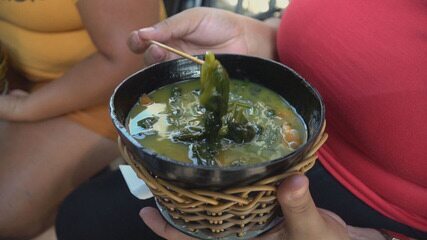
240	133
148	122
204	153
239	128
215	88
189	134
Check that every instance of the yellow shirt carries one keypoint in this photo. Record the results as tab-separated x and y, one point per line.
44	38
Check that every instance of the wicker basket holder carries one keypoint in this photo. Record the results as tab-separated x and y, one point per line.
220	214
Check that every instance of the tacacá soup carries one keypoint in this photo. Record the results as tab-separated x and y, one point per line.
257	124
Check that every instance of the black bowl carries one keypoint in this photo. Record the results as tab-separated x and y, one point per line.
270	74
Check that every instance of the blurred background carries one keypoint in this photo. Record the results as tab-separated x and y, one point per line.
260	9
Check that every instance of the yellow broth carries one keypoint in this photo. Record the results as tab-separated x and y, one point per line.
156	118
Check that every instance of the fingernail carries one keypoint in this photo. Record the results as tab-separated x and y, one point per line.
147	29
298	187
135	41
143	211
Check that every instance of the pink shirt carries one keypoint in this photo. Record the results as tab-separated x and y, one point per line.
368	59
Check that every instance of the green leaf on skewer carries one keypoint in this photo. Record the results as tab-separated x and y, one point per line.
215	89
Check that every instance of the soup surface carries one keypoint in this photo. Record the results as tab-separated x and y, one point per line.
169	121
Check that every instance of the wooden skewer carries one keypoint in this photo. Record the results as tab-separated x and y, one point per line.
176	51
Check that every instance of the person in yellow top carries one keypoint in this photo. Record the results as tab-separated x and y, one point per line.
58	133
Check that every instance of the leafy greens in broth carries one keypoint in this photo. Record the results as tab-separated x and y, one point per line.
216	121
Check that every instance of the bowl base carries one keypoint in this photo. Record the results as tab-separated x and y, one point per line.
240	234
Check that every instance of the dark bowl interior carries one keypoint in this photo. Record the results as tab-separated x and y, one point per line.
270	74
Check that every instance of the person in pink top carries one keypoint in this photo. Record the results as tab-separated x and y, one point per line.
368	60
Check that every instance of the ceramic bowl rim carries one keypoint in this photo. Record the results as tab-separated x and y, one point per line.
300	150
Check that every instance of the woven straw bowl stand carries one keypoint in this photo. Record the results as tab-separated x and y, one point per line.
234	213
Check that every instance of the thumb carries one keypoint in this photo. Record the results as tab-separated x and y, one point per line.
299	210
154	220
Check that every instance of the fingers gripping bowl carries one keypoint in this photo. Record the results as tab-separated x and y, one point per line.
272	75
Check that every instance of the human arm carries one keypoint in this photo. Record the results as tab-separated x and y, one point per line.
198	30
91	81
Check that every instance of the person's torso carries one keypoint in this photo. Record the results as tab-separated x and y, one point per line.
44	38
368	59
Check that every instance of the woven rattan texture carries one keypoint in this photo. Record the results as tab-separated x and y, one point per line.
232	211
